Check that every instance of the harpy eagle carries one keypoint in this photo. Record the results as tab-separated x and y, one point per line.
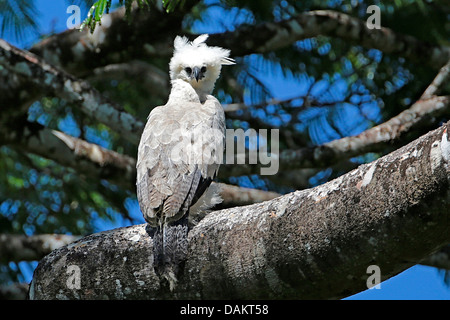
180	151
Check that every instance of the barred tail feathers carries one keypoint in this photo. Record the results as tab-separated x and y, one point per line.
170	249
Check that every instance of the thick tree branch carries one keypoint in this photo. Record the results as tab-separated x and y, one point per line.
314	243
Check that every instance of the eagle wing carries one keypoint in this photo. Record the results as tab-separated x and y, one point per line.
179	154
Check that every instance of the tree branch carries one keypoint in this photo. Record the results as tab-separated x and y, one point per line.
115	40
420	115
438	82
152	78
314	243
17	247
86	158
270	36
234	196
391	130
63	85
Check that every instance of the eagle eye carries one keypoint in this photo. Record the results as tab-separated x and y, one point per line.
188	70
203	69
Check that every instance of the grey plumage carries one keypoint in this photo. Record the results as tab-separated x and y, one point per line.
180	151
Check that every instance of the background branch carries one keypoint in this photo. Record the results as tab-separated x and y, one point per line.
76	91
438	82
17	247
270	36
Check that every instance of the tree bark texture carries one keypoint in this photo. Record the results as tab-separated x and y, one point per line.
315	243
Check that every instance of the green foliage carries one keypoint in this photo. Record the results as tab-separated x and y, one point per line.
171	5
99	8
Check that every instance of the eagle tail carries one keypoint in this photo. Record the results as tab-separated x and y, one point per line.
170	249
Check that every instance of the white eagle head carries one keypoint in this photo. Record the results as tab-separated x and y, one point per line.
197	64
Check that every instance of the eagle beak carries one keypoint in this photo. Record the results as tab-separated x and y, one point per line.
196	72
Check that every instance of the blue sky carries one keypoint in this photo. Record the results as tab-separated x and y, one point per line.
418	282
